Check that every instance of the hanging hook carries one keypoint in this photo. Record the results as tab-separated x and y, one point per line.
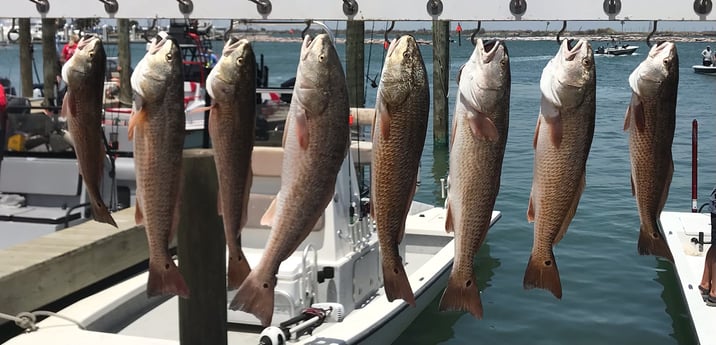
326	29
386	42
648	37
305	30
229	31
151	31
474	33
110	6
263	7
43	6
13	34
561	31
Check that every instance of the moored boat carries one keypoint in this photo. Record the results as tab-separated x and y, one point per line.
701	69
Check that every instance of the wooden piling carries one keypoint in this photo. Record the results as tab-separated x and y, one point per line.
124	56
201	248
25	45
50	62
441	77
355	75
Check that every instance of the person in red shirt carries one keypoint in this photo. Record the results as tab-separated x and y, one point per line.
69	48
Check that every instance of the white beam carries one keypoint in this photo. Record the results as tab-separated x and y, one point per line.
488	10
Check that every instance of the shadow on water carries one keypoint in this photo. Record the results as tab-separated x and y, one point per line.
442	323
439	170
683	330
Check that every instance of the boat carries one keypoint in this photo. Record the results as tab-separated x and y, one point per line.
336	271
616	50
689	238
701	69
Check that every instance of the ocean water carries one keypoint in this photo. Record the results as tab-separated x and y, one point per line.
610	293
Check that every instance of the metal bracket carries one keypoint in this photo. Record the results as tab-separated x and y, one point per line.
186	6
264	7
435	7
612	8
518	8
110	6
43	6
350	7
703	8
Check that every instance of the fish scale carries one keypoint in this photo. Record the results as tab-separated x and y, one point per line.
399	132
475	167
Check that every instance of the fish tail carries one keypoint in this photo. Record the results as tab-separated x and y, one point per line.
255	296
166	280
652	243
238	270
396	282
543	274
100	212
462	295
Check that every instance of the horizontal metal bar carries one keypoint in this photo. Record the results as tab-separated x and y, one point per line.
410	10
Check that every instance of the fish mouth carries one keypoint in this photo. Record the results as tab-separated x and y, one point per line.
87	40
159	42
232	44
570	49
661	47
490	48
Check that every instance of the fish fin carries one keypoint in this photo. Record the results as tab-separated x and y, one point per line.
138	214
100	212
302	129
651	242
536	136
268	217
462	295
165	279
66	105
543	274
531	210
218	202
572	209
396	283
627	117
553	119
238	268
383	115
449	225
633	188
139	117
482	126
636	108
255	297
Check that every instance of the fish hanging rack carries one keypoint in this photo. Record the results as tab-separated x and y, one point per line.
402	10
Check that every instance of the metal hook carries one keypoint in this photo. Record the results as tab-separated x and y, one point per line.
263	7
386	42
327	30
15	31
43	6
648	37
147	36
186	6
229	31
110	6
474	33
561	31
305	30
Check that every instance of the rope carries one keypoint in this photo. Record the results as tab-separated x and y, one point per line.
27	320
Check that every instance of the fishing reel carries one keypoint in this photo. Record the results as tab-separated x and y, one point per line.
272	336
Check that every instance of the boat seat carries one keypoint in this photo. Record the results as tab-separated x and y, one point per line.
266	166
55	177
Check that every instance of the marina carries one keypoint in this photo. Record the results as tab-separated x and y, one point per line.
611	293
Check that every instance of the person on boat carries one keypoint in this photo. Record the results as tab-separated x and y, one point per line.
212	59
708	280
707	56
69	49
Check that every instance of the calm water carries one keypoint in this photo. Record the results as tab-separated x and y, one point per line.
611	294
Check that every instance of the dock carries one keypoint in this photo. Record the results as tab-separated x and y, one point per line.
45	269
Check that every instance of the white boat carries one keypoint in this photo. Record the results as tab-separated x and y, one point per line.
701	69
359	312
682	230
616	50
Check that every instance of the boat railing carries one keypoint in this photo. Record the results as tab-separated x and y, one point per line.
309	277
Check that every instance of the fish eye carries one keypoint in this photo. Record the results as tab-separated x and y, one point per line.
168	56
240	61
321	57
667	61
91	55
406	55
586	62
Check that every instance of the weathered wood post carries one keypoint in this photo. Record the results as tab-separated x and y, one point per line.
50	62
441	77
202	253
25	42
355	62
124	56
